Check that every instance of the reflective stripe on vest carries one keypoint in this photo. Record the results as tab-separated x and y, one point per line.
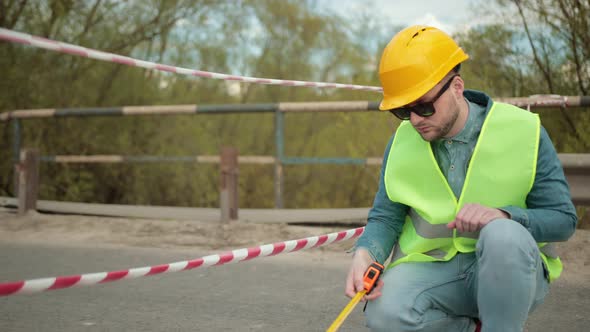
430	231
500	173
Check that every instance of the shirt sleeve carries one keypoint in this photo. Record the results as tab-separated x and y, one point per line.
550	215
385	220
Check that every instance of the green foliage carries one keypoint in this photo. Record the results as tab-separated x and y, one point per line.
286	39
494	61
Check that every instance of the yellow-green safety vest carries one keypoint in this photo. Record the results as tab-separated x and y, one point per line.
501	173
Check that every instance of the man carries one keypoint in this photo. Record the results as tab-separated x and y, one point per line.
472	195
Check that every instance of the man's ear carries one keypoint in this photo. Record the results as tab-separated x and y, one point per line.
458	85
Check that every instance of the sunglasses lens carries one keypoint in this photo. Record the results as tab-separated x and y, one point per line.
402	113
424	110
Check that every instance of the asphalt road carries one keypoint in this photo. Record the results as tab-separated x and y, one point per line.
300	291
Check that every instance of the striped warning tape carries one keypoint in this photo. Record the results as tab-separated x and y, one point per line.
23	38
234	256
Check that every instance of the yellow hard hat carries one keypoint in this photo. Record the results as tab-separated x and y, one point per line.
413	62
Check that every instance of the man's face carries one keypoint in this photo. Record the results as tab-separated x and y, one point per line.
443	120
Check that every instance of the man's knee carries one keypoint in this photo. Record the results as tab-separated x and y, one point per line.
406	317
385	316
506	238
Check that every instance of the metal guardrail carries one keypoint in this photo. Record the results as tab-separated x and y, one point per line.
577	171
279	109
534	101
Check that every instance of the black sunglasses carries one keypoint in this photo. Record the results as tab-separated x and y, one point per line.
425	109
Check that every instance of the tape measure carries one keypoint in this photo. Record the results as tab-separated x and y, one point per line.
369	282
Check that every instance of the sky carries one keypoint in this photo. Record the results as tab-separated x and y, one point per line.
448	15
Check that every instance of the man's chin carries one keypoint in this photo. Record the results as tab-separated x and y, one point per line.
430	136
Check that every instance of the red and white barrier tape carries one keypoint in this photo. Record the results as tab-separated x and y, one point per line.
239	255
23	38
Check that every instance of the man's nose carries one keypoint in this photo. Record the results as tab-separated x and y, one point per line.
415	118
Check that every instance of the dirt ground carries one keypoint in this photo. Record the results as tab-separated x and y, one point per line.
210	237
93	230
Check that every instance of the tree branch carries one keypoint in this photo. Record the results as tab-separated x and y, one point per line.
545	71
5	20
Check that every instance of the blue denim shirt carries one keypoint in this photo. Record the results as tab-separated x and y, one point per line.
550	215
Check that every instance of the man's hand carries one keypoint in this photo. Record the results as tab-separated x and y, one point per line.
354	282
474	217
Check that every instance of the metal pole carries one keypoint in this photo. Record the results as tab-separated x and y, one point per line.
279	133
15	154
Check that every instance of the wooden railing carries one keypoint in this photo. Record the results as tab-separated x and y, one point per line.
576	168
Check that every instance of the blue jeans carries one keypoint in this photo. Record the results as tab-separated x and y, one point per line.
501	283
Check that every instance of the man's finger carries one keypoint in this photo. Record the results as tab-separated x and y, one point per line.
376	291
349	290
459	225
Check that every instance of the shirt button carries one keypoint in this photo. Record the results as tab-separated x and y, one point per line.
452	167
449	142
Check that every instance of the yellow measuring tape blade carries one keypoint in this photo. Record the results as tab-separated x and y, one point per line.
346	311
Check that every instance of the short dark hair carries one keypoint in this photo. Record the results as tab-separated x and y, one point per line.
456	69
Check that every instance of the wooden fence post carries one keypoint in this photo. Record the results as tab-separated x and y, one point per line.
16	175
228	184
28	180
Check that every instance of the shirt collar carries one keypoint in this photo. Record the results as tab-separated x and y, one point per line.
466	133
475	117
